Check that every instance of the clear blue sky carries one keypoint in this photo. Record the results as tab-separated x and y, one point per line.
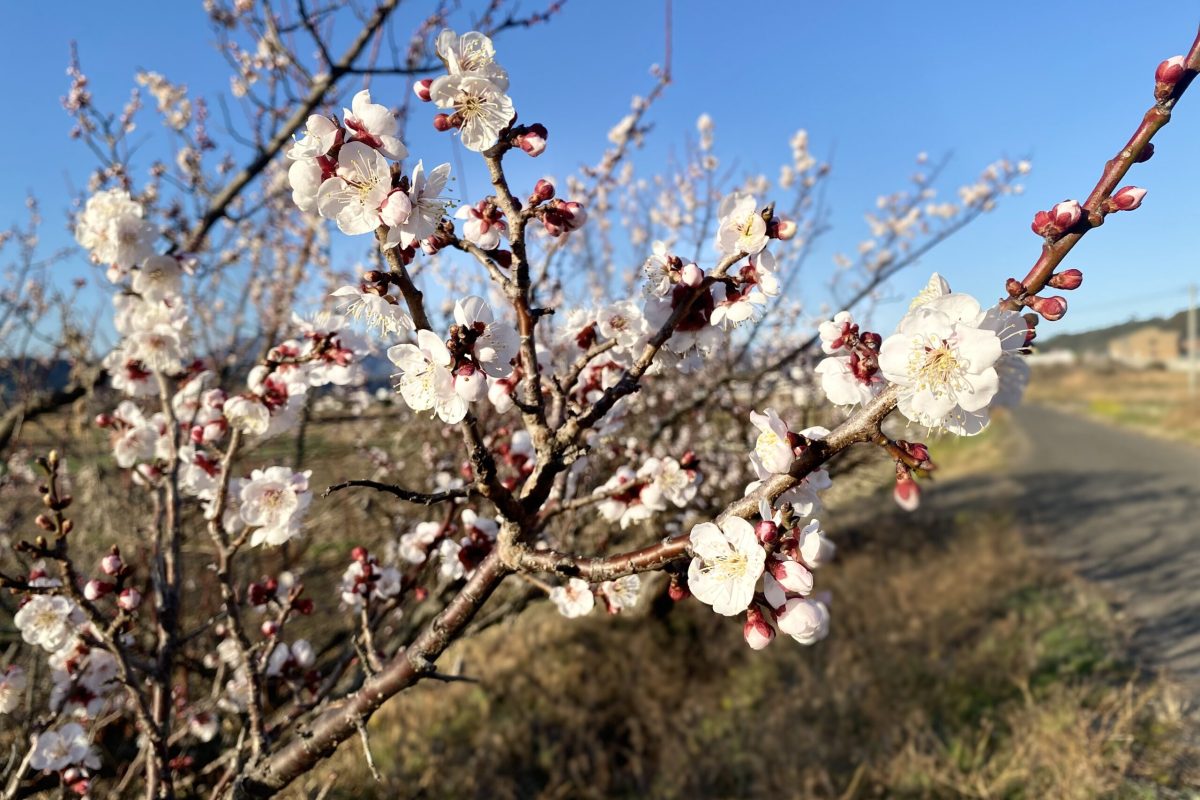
873	82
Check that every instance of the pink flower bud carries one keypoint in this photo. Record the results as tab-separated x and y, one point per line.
1170	71
907	494
543	190
792	576
678	590
533	141
111	564
469	383
784	229
103	420
359	553
1051	308
257	594
766	531
269	628
806	621
421	89
1013	286
95	589
1067	279
1064	215
441	123
576	215
691	275
757	630
129	599
1127	198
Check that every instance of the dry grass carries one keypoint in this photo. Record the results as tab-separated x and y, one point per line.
1152	401
959	666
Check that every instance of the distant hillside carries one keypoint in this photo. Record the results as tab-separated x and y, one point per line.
1097	340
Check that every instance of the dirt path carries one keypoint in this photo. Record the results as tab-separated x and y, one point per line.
1122	510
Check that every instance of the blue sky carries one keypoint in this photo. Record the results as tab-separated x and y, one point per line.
873	82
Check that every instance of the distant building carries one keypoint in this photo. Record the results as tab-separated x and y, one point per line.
1146	347
1052	358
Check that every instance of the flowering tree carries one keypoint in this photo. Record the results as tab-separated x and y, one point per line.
577	406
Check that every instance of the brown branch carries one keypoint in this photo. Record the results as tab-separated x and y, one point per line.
420	498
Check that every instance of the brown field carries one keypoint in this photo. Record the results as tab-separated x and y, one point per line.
1152	401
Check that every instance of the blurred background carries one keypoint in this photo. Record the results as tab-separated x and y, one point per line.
1032	630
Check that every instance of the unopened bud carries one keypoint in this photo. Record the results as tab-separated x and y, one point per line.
103	420
44	522
129	599
95	589
269	628
533	140
543	190
907	494
783	228
1067	279
766	531
257	595
1127	198
421	89
1014	287
757	631
1052	309
792	576
442	123
1146	154
359	553
111	564
1170	71
691	275
1064	215
304	606
677	590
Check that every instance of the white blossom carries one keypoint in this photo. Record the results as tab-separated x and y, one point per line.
48	621
573	600
373	125
273	501
727	564
426	381
480	107
742	228
353	196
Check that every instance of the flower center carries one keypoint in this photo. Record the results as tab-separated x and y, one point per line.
726	567
937	367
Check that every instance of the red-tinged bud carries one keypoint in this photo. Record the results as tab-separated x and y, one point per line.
677	590
95	589
1067	279
257	594
77	781
129	599
420	593
757	631
271	585
442	123
533	140
783	228
269	628
1014	287
1170	71
104	420
503	257
421	89
1042	225
872	340
359	553
111	564
792	576
304	606
1052	309
576	215
1146	154
1127	198
766	531
44	522
543	190
691	275
906	494
1064	215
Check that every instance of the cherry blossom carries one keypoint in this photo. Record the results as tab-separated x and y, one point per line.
727	565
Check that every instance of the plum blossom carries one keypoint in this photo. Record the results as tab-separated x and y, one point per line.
426	204
813	547
320	135
623	323
354	195
248	414
742	228
573	600
374	125
48	621
806	621
944	363
285	658
483	225
620	594
158	278
63	747
12	688
112	229
481	109
495	343
773	447
471	53
274	501
727	565
426	381
756	284
375	310
414	545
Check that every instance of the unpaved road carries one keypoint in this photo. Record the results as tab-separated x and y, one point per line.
1123	511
